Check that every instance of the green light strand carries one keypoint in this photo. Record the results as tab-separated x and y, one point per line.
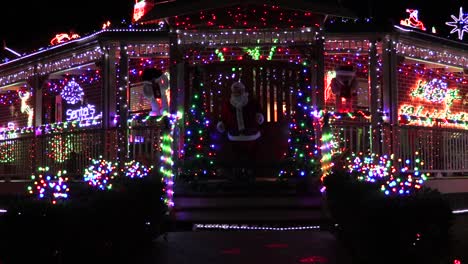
220	55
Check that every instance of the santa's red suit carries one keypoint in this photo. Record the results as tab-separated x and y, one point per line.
241	116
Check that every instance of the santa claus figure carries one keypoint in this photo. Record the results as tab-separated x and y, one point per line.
344	87
241	117
155	85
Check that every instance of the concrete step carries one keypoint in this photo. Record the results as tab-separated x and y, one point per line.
233	202
252	216
260	211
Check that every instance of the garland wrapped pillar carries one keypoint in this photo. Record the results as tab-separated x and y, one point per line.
198	152
302	147
167	157
122	107
376	118
110	93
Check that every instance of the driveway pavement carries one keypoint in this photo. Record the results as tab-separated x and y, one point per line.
249	247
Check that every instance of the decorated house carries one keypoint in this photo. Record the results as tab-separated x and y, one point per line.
153	93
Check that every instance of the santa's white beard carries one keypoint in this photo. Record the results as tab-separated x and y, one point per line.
240	100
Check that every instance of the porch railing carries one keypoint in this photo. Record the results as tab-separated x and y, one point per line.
55	150
443	151
16	158
72	151
352	137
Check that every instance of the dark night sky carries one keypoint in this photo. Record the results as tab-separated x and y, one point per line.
31	24
27	25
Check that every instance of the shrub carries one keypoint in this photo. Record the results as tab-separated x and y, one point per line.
414	228
92	224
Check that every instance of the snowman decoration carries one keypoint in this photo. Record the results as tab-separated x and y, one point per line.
155	86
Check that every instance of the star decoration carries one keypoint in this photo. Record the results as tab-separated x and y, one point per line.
459	24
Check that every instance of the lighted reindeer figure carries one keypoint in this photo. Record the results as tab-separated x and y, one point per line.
25	108
155	89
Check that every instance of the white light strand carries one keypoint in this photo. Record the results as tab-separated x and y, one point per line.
65	63
9	78
238	36
431	55
357	46
69	62
460	211
83	39
52	66
250	227
144	50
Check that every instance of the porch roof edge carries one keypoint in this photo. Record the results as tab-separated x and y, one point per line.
410	34
82	43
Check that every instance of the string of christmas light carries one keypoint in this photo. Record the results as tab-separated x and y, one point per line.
222	38
238	53
220	55
88	77
359	114
434	55
382	171
434	91
70	61
199	152
91	55
326	148
26	108
167	162
138	65
135	169
8	133
121	113
143	119
372	167
407	119
148	50
20	75
351	46
302	149
427	71
440	94
7	152
341	125
72	92
257	54
60	127
59	148
100	173
253	227
9	97
242	16
355	54
48	186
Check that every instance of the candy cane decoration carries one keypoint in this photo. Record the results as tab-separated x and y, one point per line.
25	108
